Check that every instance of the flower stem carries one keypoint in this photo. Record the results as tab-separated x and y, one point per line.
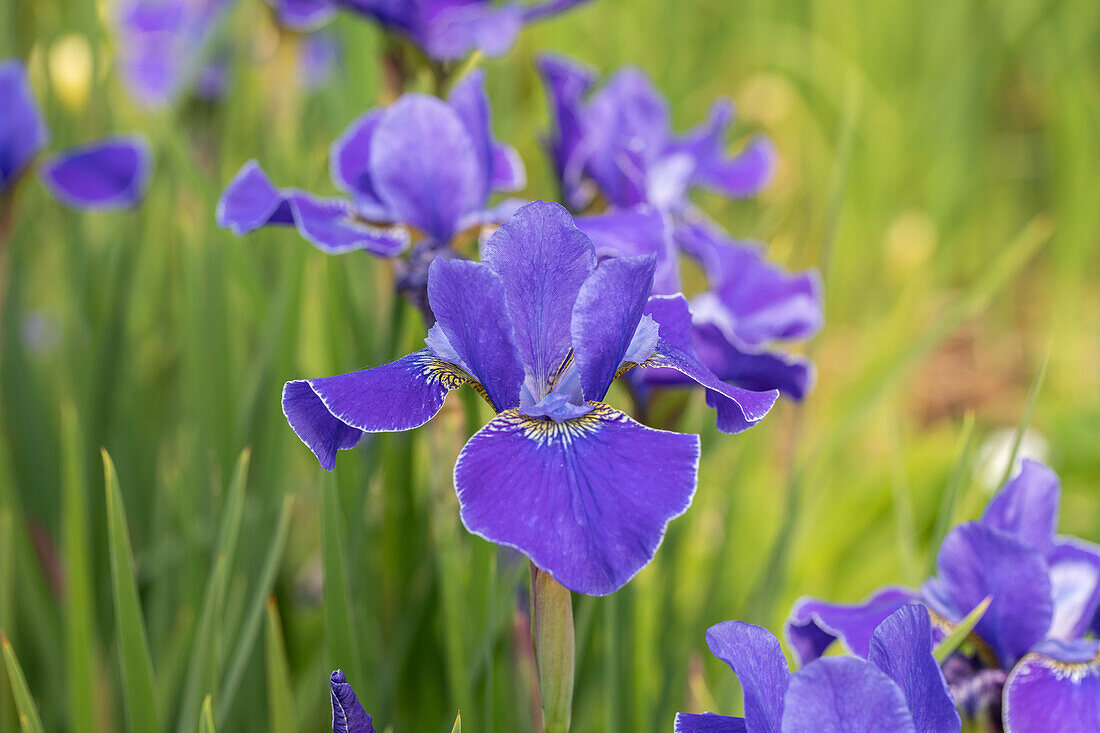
552	634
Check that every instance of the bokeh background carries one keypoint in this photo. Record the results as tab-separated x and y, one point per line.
938	162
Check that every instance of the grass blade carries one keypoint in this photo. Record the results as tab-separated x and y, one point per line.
458	724
206	721
139	687
280	696
1021	429
24	703
951	492
339	626
958	636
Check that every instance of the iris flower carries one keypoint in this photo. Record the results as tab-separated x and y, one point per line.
618	143
420	165
541	332
1031	656
898	688
348	716
445	30
110	173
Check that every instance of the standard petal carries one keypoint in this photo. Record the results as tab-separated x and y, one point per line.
755	656
331	226
348	715
304	15
587	499
708	723
1055	689
605	317
976	561
566	85
1027	506
22	130
471	104
841	694
738	409
251	201
1075	587
902	648
108	174
634	232
814	624
424	166
332	413
758	370
468	301
508	174
349	160
543	260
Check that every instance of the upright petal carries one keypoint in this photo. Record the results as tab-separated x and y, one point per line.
633	232
605	317
304	15
566	85
708	723
468	300
814	624
331	226
902	648
1055	689
251	201
586	499
976	561
499	165
543	260
108	174
1027	506
423	165
348	715
332	413
1075	587
756	658
841	694
22	131
738	409
349	160
508	173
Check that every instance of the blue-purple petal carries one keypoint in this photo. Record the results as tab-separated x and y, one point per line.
304	15
332	413
332	226
587	500
566	85
754	655
22	130
251	201
755	369
348	715
471	104
547	8
1027	506
1055	689
708	723
814	624
841	694
738	409
634	232
461	28
508	173
467	299
902	648
742	175
349	159
1075	587
107	174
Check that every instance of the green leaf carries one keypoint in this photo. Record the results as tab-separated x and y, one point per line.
206	721
343	647
24	703
280	696
76	549
1021	429
139	687
458	724
961	631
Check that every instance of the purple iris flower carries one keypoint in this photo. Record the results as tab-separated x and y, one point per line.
111	173
898	688
420	165
348	715
1031	656
541	332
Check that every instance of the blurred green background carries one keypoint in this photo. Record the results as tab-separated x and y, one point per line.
938	161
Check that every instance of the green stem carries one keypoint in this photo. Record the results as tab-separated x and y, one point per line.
552	634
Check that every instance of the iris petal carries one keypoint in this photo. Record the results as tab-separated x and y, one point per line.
708	723
251	201
350	160
304	15
814	624
22	131
331	226
587	499
499	165
758	370
1055	689
1027	506
840	694
566	85
107	174
755	656
348	715
1075	587
635	232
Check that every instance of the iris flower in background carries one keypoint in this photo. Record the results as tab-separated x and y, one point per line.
348	716
1030	653
616	147
420	167
898	688
541	332
446	30
107	174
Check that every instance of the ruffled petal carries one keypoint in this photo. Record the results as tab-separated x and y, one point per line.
331	226
976	561
815	624
902	648
634	232
332	413
755	656
1027	506
251	201
108	174
840	694
1055	689
708	723
424	166
468	300
738	409
349	160
586	499
304	15
348	715
22	130
605	317
543	260
1075	585
566	85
